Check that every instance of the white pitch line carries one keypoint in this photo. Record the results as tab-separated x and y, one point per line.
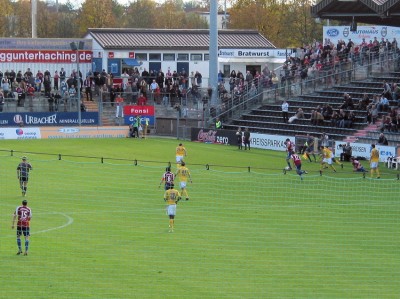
69	222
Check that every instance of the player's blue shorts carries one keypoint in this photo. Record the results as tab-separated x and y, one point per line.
23	230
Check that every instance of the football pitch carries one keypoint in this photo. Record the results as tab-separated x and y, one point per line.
100	230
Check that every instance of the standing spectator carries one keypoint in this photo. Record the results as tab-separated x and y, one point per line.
1	100
23	169
125	79
285	111
239	137
198	78
221	77
142	100
39	81
62	75
374	161
47	85
119	112
88	88
347	151
23	215
218	124
246	140
324	140
56	79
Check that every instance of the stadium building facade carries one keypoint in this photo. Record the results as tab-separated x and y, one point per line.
185	49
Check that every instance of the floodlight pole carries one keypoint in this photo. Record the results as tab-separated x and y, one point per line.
79	89
76	47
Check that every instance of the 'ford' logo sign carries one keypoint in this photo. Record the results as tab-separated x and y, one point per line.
332	32
68	130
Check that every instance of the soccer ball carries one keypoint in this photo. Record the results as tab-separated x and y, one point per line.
287	168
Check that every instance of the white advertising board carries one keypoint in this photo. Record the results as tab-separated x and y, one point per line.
269	142
364	150
336	33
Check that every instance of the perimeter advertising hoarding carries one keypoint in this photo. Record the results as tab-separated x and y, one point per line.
226	137
269	142
364	150
63	132
336	33
84	132
48	119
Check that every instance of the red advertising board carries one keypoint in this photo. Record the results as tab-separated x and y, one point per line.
47	56
139	110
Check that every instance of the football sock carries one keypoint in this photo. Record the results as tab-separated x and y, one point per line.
315	159
26	245
19	244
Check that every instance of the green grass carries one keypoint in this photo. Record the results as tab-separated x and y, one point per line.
100	231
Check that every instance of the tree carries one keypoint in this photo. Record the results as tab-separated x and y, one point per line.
6	18
140	14
96	14
284	23
23	20
170	15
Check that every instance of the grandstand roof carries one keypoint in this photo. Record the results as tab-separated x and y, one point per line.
178	39
374	12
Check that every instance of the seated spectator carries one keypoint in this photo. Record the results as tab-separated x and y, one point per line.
348	102
327	111
317	119
383	105
363	103
382	140
334	118
350	120
340	119
299	115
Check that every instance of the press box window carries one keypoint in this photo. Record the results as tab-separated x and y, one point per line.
206	57
183	57
155	57
141	56
196	57
169	57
